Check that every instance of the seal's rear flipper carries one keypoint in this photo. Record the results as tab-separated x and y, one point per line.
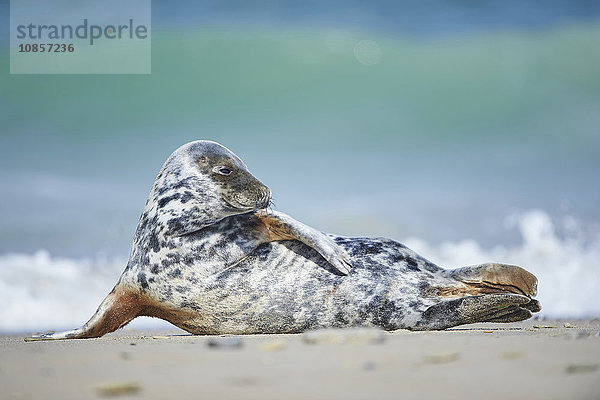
117	309
493	278
501	307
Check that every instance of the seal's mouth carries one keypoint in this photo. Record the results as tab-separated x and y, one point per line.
239	203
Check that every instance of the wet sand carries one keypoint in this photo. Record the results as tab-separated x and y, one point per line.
536	359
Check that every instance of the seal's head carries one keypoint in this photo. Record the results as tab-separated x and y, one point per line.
201	183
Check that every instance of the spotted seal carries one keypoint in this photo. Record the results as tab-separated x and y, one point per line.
209	258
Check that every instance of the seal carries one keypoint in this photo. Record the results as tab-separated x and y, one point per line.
211	258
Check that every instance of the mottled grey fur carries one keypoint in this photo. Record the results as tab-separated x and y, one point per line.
200	260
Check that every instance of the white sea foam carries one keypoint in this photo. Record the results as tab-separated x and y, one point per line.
40	292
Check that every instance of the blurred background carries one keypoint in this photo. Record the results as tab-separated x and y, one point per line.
469	130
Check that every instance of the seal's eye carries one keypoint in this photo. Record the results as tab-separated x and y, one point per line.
222	170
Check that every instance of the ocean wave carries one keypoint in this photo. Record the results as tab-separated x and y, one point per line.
42	292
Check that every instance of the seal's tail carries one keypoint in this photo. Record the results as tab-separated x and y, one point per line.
115	311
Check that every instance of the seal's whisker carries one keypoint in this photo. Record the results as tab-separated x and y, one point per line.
269	209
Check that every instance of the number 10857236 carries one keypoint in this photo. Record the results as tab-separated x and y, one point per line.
46	48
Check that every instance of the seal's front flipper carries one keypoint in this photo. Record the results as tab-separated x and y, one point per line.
482	308
279	226
115	311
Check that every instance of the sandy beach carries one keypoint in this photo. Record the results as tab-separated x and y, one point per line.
536	359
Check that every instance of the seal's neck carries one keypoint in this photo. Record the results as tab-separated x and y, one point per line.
173	209
181	206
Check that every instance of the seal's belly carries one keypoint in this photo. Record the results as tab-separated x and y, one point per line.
286	287
273	289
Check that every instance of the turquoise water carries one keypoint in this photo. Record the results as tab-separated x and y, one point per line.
462	144
487	123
